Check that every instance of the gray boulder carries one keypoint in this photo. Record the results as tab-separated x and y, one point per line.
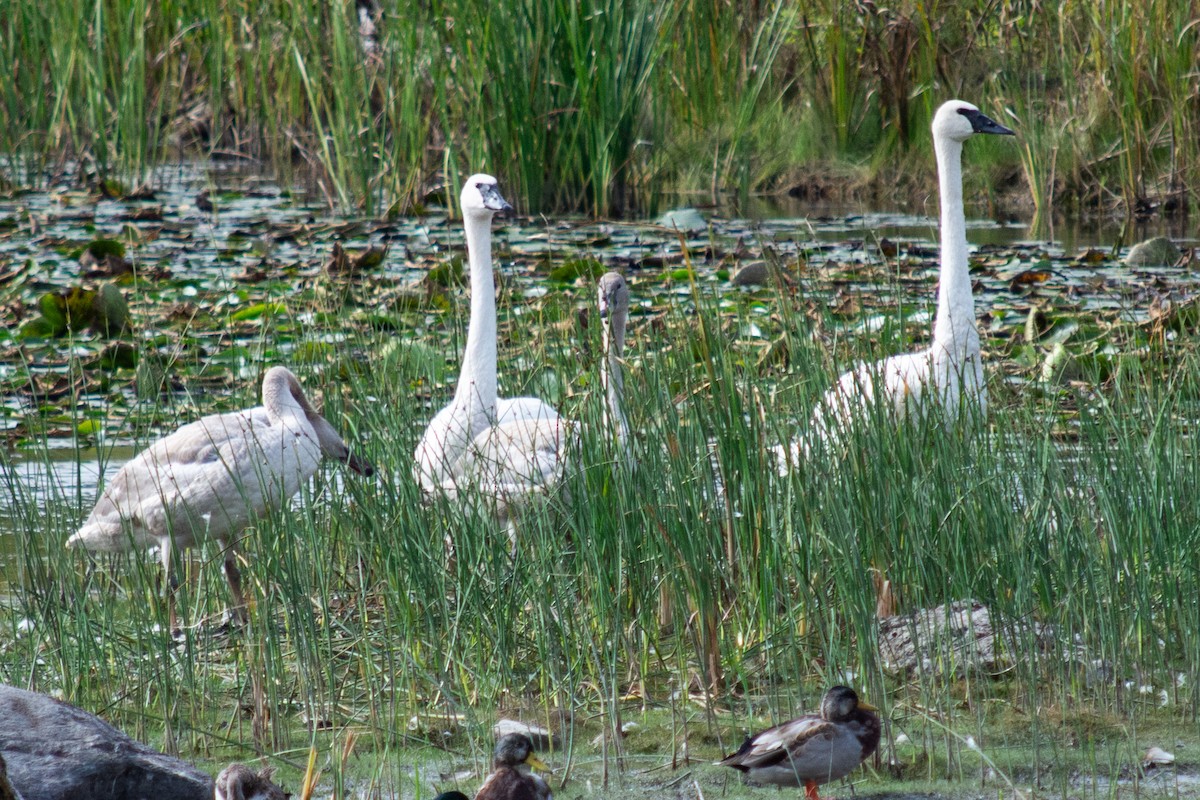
56	751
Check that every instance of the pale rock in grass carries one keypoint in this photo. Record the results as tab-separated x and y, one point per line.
1157	757
542	739
1157	252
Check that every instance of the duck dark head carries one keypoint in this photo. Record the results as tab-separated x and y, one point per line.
840	703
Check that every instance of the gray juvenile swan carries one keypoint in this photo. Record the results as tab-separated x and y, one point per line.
952	368
212	477
614	315
482	445
56	751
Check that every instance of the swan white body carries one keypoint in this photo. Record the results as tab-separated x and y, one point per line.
950	372
481	444
212	477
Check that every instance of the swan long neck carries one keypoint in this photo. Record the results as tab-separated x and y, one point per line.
476	388
612	378
954	332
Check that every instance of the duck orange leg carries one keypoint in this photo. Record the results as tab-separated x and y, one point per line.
810	790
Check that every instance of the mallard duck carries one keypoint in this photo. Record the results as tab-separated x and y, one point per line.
239	782
510	778
813	749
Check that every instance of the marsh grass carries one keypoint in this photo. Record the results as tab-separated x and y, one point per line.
605	105
697	584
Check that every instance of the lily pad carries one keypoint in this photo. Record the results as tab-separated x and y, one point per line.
258	311
571	269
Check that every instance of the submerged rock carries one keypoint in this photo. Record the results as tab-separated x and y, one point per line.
755	273
688	220
1157	252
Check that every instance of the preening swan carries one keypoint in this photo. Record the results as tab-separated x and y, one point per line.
952	368
614	314
56	751
212	477
495	448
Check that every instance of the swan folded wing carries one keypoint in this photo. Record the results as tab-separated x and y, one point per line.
511	409
209	477
440	454
860	393
520	456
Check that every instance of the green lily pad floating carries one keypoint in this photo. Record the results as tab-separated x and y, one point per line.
448	273
103	310
574	268
258	311
101	248
89	427
118	355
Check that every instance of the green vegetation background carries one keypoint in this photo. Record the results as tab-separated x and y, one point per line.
599	105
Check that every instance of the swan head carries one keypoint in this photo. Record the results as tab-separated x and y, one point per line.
481	197
333	446
614	296
958	121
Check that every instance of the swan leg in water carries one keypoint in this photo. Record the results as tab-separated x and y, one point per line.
211	478
950	372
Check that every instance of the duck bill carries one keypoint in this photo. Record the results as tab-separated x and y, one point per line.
865	706
537	763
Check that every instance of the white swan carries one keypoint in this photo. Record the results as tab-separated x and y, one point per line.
614	314
211	477
952	367
501	449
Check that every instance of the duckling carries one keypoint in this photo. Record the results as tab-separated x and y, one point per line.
239	782
813	749
510	778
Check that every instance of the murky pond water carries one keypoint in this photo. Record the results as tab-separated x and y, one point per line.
209	246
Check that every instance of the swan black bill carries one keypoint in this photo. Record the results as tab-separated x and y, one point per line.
982	123
359	465
492	198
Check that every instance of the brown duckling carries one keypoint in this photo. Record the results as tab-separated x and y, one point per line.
510	778
813	749
239	782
